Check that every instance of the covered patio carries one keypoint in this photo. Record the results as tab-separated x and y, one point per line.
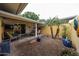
14	27
14	23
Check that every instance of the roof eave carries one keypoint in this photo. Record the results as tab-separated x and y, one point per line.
17	17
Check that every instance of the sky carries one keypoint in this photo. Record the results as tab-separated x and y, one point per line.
47	10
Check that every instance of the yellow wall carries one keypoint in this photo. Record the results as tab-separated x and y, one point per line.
74	37
46	30
70	31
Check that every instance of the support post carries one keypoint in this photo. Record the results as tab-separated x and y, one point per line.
35	29
20	31
1	30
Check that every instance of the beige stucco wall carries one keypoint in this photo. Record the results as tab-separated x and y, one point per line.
74	37
46	30
70	30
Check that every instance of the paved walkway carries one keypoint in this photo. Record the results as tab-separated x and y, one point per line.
47	47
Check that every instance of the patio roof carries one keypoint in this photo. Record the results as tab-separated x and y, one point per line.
18	17
14	8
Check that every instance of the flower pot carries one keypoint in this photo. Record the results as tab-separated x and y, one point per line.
67	42
38	39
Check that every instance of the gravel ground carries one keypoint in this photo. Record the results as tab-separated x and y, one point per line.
47	47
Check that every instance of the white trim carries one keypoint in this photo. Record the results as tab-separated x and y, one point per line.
36	30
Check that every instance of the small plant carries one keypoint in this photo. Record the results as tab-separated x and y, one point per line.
69	52
66	32
66	37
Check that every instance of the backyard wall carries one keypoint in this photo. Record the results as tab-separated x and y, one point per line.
46	30
74	37
70	30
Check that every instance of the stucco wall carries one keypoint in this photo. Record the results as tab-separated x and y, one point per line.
46	30
70	30
74	37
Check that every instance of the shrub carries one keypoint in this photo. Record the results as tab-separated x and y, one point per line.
69	52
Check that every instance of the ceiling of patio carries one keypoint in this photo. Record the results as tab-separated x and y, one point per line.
14	8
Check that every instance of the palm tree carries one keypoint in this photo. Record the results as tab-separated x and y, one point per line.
50	22
57	22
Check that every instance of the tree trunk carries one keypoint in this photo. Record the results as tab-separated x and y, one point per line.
57	32
51	31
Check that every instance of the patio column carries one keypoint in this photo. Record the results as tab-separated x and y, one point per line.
1	30
20	31
35	29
